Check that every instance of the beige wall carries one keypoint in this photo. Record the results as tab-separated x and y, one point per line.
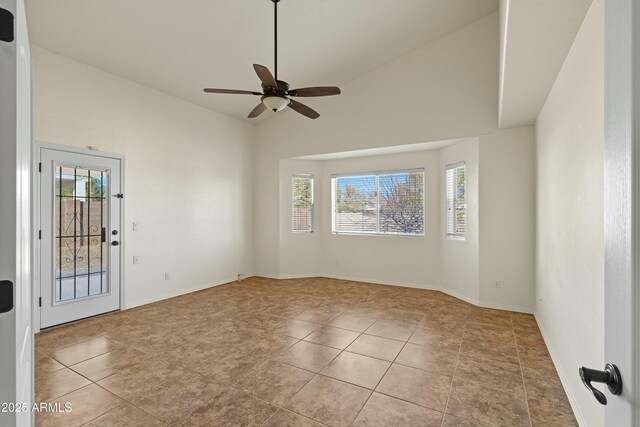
507	219
459	264
300	253
400	260
570	215
447	89
497	164
191	164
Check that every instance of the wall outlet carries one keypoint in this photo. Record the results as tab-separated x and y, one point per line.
241	277
135	226
497	284
167	275
136	259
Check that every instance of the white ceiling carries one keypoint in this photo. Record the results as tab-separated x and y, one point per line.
181	47
536	36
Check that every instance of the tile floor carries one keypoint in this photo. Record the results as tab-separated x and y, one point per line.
304	352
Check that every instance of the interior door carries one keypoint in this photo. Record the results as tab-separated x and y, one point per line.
81	242
16	347
622	211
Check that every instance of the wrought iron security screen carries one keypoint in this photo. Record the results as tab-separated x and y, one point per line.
81	218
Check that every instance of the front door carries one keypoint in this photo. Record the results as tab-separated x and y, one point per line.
80	210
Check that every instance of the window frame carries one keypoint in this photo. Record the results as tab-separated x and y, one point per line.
311	204
377	174
454	235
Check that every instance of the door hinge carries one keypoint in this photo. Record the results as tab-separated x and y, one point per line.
40	167
39	234
39	301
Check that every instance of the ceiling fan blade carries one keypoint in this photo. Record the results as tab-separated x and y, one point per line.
260	108
315	91
303	109
265	75
232	91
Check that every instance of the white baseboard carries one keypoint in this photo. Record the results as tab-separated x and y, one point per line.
339	277
515	308
297	276
381	282
180	292
408	285
563	377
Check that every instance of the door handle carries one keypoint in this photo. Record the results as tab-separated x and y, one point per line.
6	26
610	376
6	296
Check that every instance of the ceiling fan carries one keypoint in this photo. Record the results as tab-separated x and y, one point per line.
276	94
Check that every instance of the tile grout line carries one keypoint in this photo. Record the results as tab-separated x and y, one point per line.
316	374
453	375
385	372
524	387
242	317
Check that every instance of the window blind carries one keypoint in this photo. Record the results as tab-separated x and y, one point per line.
380	203
302	202
455	203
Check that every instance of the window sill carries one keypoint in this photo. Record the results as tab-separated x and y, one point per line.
377	234
457	238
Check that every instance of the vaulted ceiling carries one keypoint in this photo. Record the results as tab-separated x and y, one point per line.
181	47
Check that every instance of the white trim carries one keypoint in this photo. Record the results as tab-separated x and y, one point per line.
36	220
454	165
378	173
563	377
503	62
158	298
383	282
292	276
515	308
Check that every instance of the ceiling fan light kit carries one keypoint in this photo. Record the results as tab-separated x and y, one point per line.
276	95
275	103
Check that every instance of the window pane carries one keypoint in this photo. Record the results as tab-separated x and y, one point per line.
302	202
391	203
401	203
455	203
355	204
461	206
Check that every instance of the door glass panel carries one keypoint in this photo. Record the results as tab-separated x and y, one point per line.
81	212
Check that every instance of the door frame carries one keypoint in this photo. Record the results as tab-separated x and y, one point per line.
622	205
37	220
16	371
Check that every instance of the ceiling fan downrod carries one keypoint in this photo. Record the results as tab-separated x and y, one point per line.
276	94
275	38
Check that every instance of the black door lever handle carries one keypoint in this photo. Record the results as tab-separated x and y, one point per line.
610	376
